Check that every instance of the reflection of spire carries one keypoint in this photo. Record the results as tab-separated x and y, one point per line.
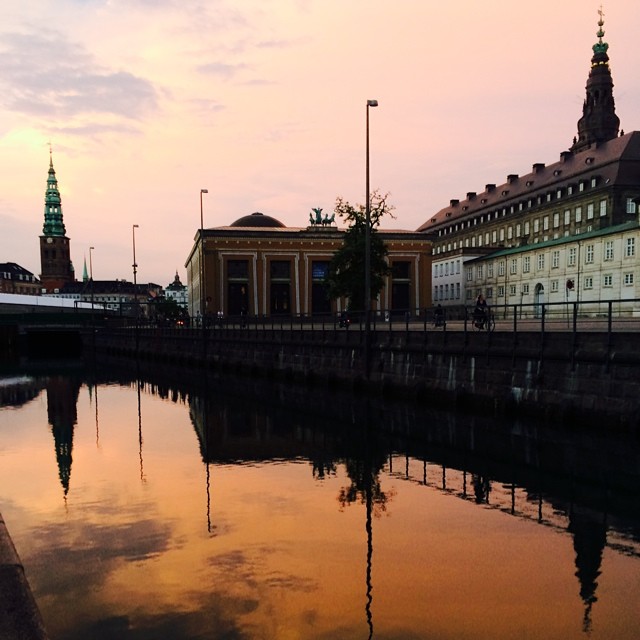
589	540
62	397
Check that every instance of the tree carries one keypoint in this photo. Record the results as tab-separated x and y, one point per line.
346	274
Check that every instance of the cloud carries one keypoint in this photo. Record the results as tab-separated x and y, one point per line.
221	69
47	75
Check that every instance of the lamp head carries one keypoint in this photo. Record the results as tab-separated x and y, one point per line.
372	103
204	190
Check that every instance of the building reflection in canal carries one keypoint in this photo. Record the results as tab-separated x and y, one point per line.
297	514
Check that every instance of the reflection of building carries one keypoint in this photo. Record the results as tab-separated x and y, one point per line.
574	220
62	398
16	279
260	267
55	256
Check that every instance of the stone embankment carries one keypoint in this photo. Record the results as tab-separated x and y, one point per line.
19	615
590	377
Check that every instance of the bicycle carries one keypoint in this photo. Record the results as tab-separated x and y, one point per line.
484	322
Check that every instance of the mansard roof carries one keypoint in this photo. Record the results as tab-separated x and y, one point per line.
615	162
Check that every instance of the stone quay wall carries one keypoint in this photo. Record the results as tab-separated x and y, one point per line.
588	377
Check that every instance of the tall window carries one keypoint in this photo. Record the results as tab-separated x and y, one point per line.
513	269
603	208
540	261
588	256
628	278
555	259
588	282
608	250
526	264
578	214
630	248
567	216
590	211
571	257
607	280
631	206
501	268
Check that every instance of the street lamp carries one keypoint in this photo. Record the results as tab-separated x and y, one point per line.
367	252
202	287
135	269
91	274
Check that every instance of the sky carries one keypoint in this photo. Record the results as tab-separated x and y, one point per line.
263	103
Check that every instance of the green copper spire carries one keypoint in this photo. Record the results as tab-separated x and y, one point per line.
599	122
53	224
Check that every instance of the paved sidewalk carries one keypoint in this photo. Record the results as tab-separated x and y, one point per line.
19	615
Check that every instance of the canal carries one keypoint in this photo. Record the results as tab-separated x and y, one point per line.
151	503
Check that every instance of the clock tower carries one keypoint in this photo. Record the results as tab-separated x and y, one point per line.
55	258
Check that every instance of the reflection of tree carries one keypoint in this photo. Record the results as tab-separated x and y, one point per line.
323	467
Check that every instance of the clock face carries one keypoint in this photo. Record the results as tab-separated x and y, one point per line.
49	240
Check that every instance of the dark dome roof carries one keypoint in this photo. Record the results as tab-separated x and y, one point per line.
257	219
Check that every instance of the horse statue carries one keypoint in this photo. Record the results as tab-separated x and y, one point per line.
328	220
318	212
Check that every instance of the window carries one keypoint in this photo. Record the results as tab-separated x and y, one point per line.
630	248
457	291
556	220
512	289
536	225
501	291
545	223
571	257
446	269
603	208
513	269
501	268
588	256
489	294
588	282
590	211
628	278
469	275
509	233
608	250
607	280
526	264
555	259
578	214
632	207
490	270
494	236
526	228
469	294
554	286
567	216
479	272
540	261
525	289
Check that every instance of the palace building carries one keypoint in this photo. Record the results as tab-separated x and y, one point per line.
258	266
564	231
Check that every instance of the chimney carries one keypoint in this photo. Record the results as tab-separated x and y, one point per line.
538	167
471	195
490	188
512	177
454	203
565	156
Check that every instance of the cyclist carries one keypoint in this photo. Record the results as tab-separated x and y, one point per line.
480	312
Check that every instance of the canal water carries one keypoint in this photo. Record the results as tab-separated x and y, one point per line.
151	504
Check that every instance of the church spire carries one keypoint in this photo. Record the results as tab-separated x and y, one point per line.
599	121
53	223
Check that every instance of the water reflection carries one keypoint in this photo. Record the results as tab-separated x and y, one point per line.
375	459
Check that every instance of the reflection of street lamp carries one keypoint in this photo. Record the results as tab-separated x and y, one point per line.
202	287
135	269
367	253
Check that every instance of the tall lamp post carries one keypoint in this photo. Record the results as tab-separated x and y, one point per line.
202	287
135	269
91	274
367	253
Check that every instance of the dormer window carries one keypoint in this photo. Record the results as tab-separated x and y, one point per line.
557	172
589	160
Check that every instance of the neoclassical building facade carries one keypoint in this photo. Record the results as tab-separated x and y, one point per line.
258	266
563	230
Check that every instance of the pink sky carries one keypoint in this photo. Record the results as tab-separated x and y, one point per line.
263	103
